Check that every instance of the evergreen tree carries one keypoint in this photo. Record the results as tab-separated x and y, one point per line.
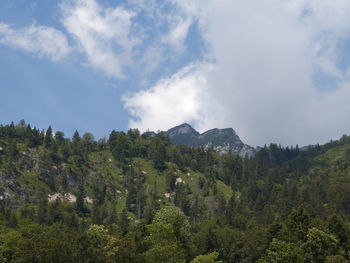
80	206
42	211
76	143
12	149
124	222
112	215
59	137
48	138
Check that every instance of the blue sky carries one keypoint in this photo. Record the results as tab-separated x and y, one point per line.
275	71
69	93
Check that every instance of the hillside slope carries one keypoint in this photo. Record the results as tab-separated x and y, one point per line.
139	198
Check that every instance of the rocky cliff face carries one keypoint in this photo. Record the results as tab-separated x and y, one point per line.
183	134
221	140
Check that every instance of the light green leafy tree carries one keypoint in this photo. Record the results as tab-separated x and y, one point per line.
319	245
103	246
210	258
282	252
169	236
333	259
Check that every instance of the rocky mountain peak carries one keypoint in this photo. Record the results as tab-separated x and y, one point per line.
220	140
182	129
182	134
228	131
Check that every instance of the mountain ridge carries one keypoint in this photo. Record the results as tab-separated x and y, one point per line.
220	140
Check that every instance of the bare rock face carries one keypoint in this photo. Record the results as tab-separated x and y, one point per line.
220	140
183	134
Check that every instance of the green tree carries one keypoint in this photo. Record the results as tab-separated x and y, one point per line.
112	215
41	244
120	146
337	226
158	152
181	198
298	224
210	258
76	143
59	137
169	237
103	247
88	142
336	259
42	210
124	222
48	138
12	149
79	205
282	252
319	245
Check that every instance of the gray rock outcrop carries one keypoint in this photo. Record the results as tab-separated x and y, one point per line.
220	140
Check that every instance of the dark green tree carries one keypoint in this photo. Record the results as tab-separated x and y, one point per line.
79	205
124	222
48	138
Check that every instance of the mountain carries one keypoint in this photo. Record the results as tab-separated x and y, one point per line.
221	140
183	134
139	198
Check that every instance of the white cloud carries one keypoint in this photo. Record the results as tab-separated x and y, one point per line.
134	36
170	102
266	53
179	21
42	41
103	34
178	31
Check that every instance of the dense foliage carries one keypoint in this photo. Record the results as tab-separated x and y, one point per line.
137	198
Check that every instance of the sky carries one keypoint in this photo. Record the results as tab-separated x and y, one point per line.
275	71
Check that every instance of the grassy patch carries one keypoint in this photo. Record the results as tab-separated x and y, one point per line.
121	204
226	190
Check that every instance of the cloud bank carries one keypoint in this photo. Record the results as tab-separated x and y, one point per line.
266	59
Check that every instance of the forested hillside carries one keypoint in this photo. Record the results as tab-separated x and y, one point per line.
136	198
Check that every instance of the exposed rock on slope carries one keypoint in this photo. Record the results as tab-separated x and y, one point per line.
183	134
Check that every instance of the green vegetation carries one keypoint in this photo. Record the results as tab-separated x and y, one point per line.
137	198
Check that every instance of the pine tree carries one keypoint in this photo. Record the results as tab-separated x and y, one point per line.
48	138
124	222
113	216
42	211
76	143
12	149
80	207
